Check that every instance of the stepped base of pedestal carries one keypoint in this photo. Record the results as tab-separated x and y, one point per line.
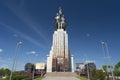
53	74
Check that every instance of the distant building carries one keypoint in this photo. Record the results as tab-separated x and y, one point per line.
91	66
80	67
29	67
40	66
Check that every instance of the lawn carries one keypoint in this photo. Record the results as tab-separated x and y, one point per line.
82	78
40	78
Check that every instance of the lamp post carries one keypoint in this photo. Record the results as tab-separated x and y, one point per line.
87	68
104	56
107	55
109	59
15	58
35	54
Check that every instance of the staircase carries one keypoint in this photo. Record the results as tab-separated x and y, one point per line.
60	74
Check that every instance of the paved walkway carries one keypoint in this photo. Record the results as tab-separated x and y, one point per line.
60	78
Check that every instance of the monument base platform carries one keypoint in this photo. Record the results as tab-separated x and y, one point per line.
55	74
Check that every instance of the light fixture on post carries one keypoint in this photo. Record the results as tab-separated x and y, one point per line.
35	54
15	58
107	55
87	64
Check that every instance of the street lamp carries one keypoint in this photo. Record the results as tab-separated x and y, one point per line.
15	58
104	55
107	55
87	68
35	54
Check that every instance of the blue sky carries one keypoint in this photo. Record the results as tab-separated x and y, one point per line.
31	21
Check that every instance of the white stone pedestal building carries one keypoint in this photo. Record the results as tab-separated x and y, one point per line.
59	58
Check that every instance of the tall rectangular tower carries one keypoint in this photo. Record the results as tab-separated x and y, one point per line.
60	59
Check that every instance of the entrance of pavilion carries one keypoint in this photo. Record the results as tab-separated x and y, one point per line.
60	68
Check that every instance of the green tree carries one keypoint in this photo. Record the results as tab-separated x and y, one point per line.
117	69
117	66
104	68
94	74
4	72
98	74
107	70
7	72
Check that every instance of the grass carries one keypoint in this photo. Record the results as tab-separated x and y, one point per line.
40	78
82	78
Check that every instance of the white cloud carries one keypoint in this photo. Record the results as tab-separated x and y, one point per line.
90	61
31	52
4	66
88	35
1	50
27	19
30	39
15	35
5	63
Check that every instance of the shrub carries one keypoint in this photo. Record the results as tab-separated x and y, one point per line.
18	77
98	75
